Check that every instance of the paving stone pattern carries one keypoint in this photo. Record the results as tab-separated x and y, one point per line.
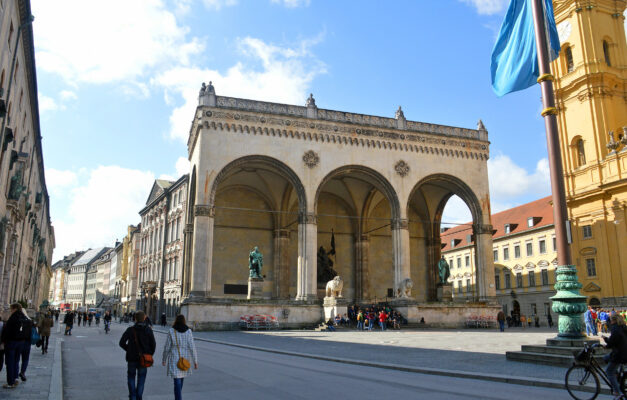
39	374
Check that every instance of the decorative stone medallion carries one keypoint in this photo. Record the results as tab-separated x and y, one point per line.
401	168
311	158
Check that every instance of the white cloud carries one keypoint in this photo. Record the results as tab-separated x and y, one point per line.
99	209
182	166
47	103
487	7
218	4
97	43
268	72
509	182
292	3
58	181
455	212
67	95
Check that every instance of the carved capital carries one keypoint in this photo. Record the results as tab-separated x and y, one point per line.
307	218
481	229
400	224
203	210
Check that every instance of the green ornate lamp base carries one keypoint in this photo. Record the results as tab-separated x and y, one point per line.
569	304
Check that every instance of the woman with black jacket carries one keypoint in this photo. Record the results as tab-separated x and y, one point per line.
618	343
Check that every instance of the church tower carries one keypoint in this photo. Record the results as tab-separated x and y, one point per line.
591	95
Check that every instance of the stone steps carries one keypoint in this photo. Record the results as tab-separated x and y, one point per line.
558	352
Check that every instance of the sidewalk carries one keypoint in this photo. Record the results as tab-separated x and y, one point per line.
43	374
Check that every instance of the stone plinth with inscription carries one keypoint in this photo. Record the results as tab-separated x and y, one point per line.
445	293
255	288
334	306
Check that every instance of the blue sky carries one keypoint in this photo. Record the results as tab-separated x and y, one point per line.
118	83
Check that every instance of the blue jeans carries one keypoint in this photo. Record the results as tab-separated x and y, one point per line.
12	360
382	325
25	355
590	328
136	392
178	388
370	324
360	325
502	326
611	369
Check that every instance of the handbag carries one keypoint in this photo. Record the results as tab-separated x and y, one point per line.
183	364
145	360
34	337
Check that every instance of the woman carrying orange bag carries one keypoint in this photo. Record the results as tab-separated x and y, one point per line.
178	354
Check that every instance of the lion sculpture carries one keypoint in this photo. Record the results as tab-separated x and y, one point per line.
334	287
404	288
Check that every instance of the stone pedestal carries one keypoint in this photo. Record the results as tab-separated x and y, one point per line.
255	288
334	306
445	293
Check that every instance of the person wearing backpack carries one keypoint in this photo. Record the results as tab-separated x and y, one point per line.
139	343
13	337
178	353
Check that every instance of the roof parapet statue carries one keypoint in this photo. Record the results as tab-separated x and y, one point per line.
312	109
480	126
401	122
207	95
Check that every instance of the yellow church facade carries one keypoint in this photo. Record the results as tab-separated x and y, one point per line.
591	95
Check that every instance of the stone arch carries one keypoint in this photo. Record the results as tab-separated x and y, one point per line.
378	181
273	163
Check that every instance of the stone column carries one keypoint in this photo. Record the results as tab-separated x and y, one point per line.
202	256
281	263
307	280
484	262
187	259
400	239
362	275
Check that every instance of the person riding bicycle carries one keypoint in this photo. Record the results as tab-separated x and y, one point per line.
618	343
107	320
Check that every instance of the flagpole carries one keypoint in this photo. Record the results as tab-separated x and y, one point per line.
567	302
549	112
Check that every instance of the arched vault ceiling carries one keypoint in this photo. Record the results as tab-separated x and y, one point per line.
353	189
263	180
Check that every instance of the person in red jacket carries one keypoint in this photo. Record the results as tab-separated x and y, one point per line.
382	319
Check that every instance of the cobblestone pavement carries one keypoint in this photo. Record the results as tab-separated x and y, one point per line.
94	369
39	375
468	350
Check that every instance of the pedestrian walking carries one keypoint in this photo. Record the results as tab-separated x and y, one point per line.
589	320
14	334
44	324
164	320
617	342
138	341
549	320
80	317
178	353
69	323
500	317
27	328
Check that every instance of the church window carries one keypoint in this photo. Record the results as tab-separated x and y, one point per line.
529	246
467	261
467	285
505	253
459	262
517	251
496	254
606	53
570	65
581	153
508	281
497	281
545	277
587	231
591	267
542	244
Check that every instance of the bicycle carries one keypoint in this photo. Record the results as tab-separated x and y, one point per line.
582	379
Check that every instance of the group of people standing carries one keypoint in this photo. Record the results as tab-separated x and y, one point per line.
598	320
179	353
16	338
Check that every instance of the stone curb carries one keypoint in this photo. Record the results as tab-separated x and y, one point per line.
526	381
56	381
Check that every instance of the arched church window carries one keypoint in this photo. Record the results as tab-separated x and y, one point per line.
581	153
606	53
570	65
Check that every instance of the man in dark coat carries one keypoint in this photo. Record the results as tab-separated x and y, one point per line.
14	335
135	340
69	322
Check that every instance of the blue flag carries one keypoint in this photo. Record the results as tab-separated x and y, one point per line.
514	57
